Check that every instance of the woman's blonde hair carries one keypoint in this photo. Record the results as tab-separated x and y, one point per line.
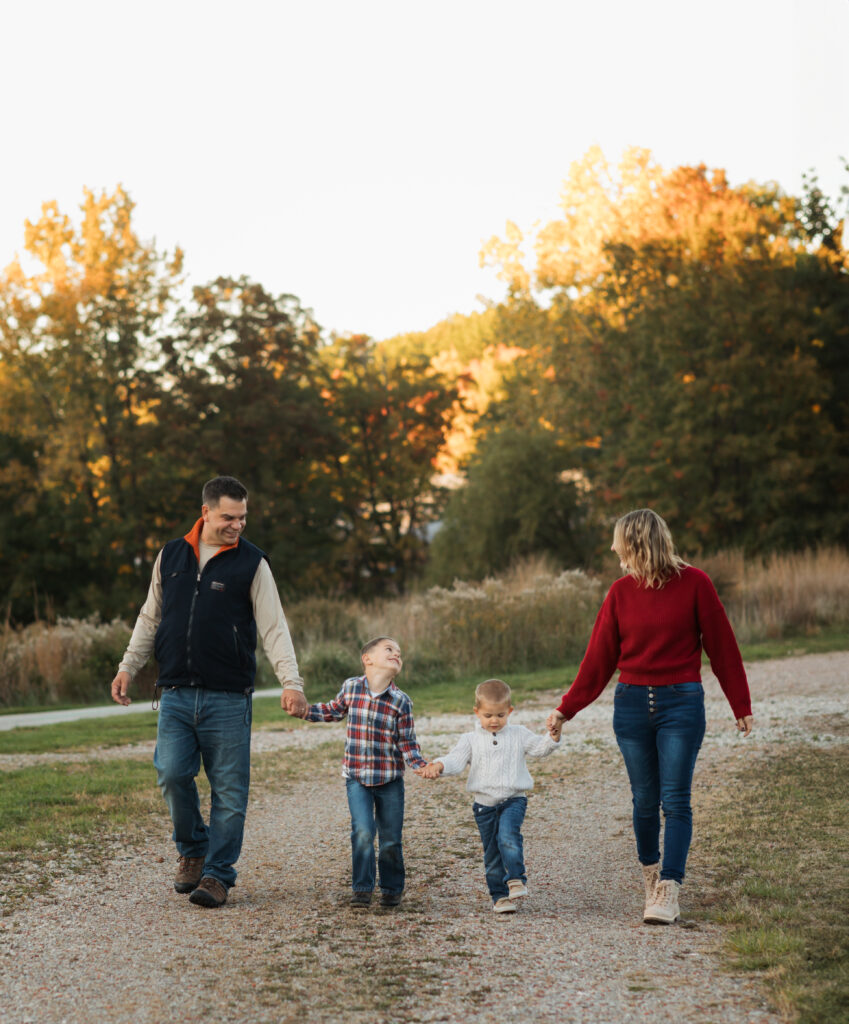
644	543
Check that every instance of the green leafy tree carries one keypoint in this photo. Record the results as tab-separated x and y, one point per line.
697	349
518	500
244	399
393	417
77	359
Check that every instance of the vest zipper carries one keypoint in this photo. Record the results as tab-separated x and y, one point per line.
189	631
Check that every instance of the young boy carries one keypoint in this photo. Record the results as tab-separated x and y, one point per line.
380	737
499	780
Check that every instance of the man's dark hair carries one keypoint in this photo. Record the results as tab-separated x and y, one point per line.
223	487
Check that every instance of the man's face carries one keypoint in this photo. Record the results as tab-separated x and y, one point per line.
224	522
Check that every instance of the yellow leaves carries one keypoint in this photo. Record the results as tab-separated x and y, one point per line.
816	408
689	212
593	442
688	378
100	467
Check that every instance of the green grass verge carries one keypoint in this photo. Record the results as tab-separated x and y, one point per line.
41	802
773	843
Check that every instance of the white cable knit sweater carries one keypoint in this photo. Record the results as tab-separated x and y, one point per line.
498	770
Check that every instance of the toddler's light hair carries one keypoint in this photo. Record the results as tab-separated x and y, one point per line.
493	691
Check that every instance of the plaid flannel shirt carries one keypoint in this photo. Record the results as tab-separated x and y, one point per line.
381	734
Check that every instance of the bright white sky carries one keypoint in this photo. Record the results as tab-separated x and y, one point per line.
356	153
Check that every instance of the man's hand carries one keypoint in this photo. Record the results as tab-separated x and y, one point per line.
554	724
294	703
120	685
432	770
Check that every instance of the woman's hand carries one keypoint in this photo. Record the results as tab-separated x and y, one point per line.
744	725
554	724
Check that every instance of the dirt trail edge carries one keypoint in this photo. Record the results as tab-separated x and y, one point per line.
115	944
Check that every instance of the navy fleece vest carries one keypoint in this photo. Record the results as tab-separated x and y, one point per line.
207	636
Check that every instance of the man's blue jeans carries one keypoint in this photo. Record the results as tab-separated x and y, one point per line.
376	811
659	730
501	834
214	728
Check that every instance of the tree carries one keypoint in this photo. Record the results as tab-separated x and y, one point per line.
393	417
77	355
517	500
244	399
696	323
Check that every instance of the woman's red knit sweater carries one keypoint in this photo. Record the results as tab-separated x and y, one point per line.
655	638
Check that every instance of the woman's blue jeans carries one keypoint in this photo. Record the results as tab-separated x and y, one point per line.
659	730
501	834
211	727
376	811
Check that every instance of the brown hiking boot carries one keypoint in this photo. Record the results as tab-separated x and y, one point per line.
209	893
189	871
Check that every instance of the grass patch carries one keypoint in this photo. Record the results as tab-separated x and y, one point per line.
773	845
43	802
821	642
56	818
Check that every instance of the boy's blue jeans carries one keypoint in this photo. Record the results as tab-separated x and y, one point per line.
500	828
659	730
376	811
212	727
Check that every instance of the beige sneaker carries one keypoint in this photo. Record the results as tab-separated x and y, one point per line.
651	875
663	908
189	872
517	888
504	906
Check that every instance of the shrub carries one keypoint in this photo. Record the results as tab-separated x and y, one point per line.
326	666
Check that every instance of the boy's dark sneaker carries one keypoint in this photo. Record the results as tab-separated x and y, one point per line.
209	893
390	899
189	873
360	899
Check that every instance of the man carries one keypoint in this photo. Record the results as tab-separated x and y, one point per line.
210	593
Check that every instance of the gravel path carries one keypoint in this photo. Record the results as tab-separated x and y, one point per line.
114	944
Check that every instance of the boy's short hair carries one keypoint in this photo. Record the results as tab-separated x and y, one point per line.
374	642
223	487
493	691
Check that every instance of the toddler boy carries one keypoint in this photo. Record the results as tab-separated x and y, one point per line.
498	780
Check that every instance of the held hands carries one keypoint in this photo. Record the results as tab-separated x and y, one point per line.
430	771
554	724
294	703
744	725
120	685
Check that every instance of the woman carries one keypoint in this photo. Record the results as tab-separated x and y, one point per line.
652	627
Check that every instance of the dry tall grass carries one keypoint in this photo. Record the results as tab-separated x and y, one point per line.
784	595
532	617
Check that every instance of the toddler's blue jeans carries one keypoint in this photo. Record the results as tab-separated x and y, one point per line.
500	828
659	730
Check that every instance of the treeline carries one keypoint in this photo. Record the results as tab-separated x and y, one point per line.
674	341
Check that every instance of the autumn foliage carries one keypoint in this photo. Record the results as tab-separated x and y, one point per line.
668	340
